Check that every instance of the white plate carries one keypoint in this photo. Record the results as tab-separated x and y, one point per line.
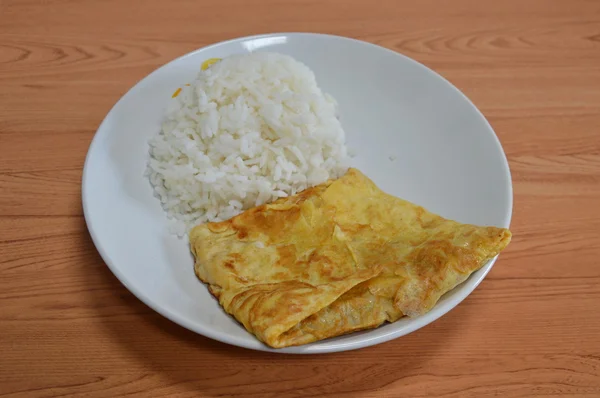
447	158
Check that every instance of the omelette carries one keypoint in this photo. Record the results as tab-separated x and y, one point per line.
336	258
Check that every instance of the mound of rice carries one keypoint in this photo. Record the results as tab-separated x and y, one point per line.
250	129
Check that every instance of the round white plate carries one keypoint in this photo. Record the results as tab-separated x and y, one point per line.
413	133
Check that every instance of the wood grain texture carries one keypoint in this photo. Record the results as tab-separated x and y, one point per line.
69	328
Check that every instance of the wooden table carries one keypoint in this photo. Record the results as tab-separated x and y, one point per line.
69	328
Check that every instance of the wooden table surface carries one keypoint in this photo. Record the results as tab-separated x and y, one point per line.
69	328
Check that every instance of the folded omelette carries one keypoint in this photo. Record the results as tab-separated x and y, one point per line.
340	257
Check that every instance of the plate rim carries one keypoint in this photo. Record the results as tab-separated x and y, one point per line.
437	312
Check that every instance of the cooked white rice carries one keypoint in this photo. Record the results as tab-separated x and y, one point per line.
250	129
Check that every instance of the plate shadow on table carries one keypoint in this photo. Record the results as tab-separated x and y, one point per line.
193	363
